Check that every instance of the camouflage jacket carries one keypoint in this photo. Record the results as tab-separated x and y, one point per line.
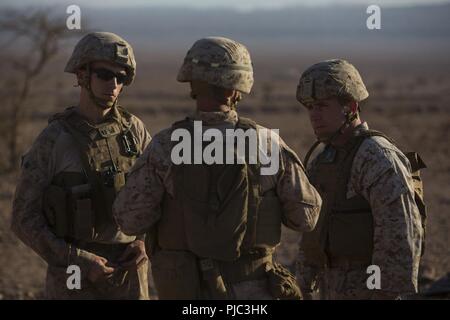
52	152
381	173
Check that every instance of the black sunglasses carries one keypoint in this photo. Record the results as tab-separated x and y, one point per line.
106	75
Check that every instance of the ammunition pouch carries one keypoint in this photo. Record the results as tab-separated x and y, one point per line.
69	211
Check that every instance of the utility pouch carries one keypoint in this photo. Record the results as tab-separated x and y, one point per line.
83	214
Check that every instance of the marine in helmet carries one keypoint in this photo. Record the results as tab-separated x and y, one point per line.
369	214
215	226
70	176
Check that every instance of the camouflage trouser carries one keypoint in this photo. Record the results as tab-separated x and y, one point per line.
340	283
351	284
337	283
346	284
133	286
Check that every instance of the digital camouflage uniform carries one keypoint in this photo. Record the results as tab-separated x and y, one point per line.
55	156
380	179
140	204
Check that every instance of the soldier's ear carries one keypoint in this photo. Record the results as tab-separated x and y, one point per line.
83	78
80	76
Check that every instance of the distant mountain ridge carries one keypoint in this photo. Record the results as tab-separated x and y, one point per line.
422	21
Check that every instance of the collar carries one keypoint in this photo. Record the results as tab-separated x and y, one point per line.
81	124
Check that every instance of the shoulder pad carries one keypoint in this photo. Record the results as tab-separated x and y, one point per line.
61	115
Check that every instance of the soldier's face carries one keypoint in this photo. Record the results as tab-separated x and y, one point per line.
107	81
326	117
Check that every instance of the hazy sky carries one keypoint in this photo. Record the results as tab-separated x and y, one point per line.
236	4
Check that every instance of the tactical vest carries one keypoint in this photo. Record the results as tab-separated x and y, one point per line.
344	231
217	226
79	204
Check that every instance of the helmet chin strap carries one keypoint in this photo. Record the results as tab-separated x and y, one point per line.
232	102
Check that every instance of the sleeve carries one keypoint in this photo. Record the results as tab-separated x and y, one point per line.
28	221
300	200
385	181
138	205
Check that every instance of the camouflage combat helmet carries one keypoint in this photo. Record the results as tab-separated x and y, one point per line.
331	78
103	46
218	61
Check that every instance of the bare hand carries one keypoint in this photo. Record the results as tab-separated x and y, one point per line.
99	271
